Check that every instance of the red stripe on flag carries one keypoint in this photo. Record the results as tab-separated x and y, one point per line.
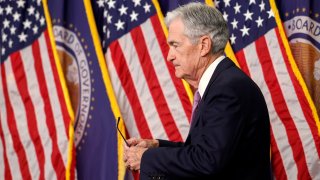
281	107
242	62
20	78
277	163
7	171
154	85
56	157
187	106
306	109
128	86
64	110
11	120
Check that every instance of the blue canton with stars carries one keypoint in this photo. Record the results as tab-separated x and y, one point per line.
121	16
21	23
247	20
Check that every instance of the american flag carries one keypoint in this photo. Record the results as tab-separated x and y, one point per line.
153	102
34	120
260	51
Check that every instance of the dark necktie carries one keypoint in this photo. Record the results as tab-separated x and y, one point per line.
196	100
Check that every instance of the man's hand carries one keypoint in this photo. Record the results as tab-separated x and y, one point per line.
133	153
145	143
132	157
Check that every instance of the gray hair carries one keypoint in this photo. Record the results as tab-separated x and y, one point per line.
200	19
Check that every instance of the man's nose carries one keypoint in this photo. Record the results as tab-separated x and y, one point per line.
170	56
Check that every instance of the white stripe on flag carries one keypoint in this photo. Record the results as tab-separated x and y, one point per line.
294	106
1	145
125	107
283	78
19	112
37	101
54	100
140	83
10	152
277	126
166	83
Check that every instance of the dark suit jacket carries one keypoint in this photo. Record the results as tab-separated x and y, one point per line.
229	136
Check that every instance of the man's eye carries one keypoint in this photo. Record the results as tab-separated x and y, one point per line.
173	45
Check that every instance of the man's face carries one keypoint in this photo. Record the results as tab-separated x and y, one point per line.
182	53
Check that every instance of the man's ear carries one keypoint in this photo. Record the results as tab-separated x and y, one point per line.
206	44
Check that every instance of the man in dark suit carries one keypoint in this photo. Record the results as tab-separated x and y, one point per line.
229	136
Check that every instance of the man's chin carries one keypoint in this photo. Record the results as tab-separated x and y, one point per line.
178	75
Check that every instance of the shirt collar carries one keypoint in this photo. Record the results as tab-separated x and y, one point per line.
205	78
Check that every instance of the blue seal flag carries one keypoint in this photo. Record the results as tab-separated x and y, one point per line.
302	24
95	128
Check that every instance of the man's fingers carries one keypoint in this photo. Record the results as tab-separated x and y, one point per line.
142	143
125	146
132	141
133	165
125	158
133	156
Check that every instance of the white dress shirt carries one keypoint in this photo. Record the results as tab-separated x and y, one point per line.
204	80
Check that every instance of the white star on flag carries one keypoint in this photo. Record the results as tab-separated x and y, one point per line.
245	31
111	4
6	23
31	10
8	9
123	10
225	16
259	21
147	7
119	25
234	24
22	37
136	3
252	2
227	2
237	8
270	13
27	24
100	3
262	6
21	3
233	39
134	16
16	16
248	15
13	30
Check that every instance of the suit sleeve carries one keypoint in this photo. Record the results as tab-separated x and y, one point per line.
165	143
213	143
